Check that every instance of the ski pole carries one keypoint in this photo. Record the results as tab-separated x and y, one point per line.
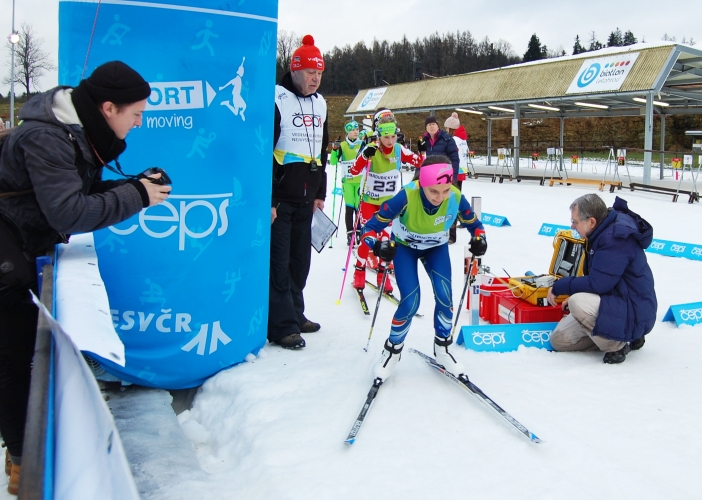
470	275
377	306
353	240
336	169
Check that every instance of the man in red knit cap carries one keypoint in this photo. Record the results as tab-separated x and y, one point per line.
299	188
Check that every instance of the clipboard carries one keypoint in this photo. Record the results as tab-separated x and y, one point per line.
322	229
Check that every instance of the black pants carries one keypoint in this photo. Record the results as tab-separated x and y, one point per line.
18	332
350	218
291	251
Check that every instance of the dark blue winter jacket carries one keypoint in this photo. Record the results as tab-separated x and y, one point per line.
444	145
616	269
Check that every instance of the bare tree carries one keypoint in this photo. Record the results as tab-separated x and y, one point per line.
31	61
287	43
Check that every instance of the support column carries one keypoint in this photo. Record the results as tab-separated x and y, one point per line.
662	145
648	138
562	119
489	142
515	152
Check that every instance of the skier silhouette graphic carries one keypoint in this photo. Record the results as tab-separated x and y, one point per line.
237	105
116	32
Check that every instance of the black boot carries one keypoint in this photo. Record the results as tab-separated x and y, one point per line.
638	343
292	341
613	358
349	235
309	326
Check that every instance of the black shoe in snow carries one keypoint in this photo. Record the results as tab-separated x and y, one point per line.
292	341
613	358
638	343
309	327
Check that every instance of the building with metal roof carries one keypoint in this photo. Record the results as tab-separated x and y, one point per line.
643	79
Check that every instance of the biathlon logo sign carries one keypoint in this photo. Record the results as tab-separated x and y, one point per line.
602	73
371	99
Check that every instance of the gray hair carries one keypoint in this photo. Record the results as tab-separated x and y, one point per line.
590	205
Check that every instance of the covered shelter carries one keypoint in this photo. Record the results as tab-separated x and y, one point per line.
642	79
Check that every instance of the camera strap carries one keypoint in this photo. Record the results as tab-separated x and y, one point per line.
117	170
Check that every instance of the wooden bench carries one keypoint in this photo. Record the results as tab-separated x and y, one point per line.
601	184
693	196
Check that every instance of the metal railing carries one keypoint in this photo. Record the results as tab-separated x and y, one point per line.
36	478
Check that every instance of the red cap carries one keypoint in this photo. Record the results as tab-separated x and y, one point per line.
307	57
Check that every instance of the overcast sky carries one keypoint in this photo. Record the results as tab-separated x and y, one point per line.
337	23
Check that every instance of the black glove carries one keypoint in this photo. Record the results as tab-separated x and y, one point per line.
478	245
369	151
385	250
421	144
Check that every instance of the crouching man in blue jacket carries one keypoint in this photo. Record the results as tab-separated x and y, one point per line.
614	304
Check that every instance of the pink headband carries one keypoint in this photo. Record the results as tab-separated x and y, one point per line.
438	173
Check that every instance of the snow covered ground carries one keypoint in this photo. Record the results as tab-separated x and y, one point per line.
273	428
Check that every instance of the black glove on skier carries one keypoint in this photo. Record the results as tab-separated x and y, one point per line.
421	144
369	151
385	250
478	245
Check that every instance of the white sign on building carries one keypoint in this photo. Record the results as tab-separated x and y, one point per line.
371	99
602	73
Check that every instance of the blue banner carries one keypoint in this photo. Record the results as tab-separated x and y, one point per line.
552	229
685	314
504	338
676	249
188	279
494	220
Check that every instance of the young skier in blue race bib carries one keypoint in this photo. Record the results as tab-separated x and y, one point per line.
425	209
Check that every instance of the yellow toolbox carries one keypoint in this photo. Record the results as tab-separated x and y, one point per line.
568	260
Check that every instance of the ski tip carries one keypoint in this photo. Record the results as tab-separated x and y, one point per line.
349	442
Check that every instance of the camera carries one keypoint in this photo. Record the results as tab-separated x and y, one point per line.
164	180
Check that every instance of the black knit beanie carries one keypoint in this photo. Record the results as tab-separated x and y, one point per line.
117	83
430	119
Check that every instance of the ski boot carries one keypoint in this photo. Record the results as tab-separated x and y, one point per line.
389	358
359	278
443	352
388	284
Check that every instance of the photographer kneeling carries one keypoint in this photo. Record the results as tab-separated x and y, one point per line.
614	304
50	187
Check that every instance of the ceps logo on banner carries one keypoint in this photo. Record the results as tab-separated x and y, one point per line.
602	73
211	215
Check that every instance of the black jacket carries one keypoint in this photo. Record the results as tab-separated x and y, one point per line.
54	160
444	145
295	183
